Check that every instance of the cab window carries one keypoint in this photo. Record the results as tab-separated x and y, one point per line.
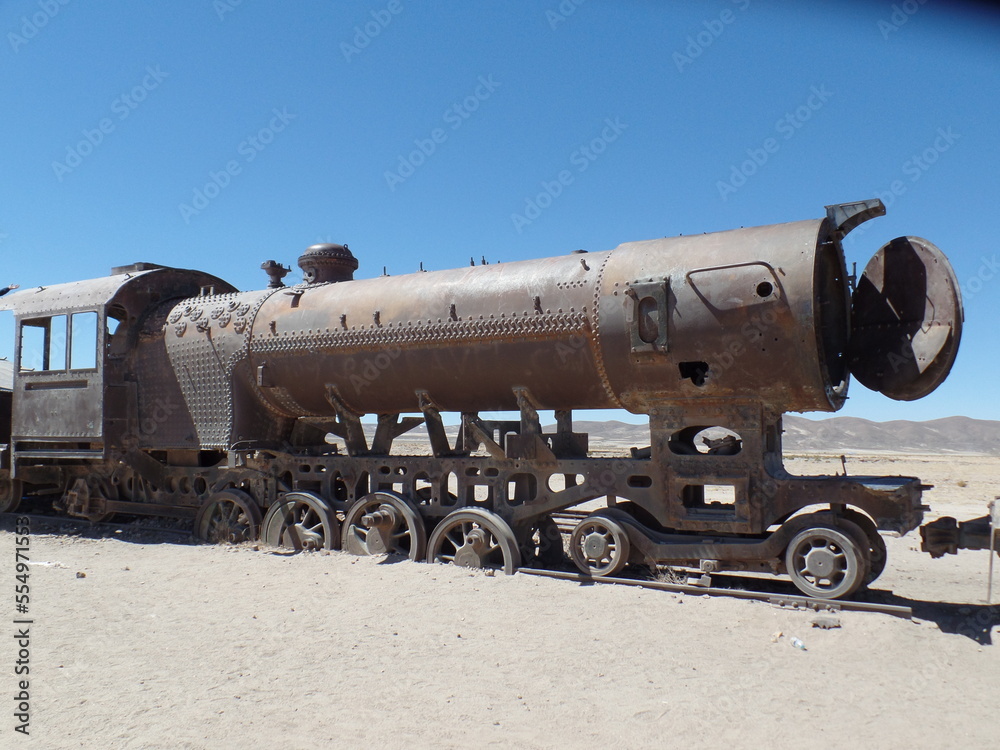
83	351
59	342
43	344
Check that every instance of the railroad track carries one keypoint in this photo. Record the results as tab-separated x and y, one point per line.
791	601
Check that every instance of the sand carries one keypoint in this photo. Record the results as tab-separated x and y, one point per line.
170	645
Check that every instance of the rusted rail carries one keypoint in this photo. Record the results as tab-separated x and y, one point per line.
781	600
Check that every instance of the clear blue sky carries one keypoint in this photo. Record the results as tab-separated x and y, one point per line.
306	115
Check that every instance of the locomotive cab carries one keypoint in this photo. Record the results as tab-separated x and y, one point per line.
59	383
72	391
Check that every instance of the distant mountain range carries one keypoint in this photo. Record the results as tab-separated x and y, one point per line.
851	435
833	435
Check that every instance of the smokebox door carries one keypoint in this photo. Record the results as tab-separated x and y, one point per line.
906	320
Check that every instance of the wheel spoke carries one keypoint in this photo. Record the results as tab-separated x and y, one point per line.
599	546
474	537
456	542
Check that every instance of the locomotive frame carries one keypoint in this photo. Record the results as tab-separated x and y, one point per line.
188	404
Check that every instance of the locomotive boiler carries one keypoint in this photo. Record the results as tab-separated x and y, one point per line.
166	391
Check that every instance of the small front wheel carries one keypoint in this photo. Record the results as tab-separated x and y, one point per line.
825	561
599	546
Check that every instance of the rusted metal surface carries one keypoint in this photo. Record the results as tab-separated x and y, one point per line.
571	330
946	535
244	409
906	320
779	600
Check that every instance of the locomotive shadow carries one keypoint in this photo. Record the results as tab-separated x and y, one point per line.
124	530
974	621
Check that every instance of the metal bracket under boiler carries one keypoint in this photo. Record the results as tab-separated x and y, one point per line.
348	424
529	442
435	427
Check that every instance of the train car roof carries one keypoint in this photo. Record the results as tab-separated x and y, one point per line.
96	293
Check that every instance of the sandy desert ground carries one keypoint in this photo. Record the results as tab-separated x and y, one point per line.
167	645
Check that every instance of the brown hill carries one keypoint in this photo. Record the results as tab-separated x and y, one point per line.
834	435
850	434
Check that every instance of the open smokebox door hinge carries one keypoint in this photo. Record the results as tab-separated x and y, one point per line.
906	320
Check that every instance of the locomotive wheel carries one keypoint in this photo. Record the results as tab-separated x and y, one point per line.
301	521
228	516
876	549
10	494
828	561
543	544
384	523
475	538
599	546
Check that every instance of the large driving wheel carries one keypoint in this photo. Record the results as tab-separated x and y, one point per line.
384	523
229	516
828	562
10	493
876	544
301	521
599	546
475	538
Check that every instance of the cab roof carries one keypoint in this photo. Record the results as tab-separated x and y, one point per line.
146	279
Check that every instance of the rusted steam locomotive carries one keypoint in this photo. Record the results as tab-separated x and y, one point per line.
164	391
